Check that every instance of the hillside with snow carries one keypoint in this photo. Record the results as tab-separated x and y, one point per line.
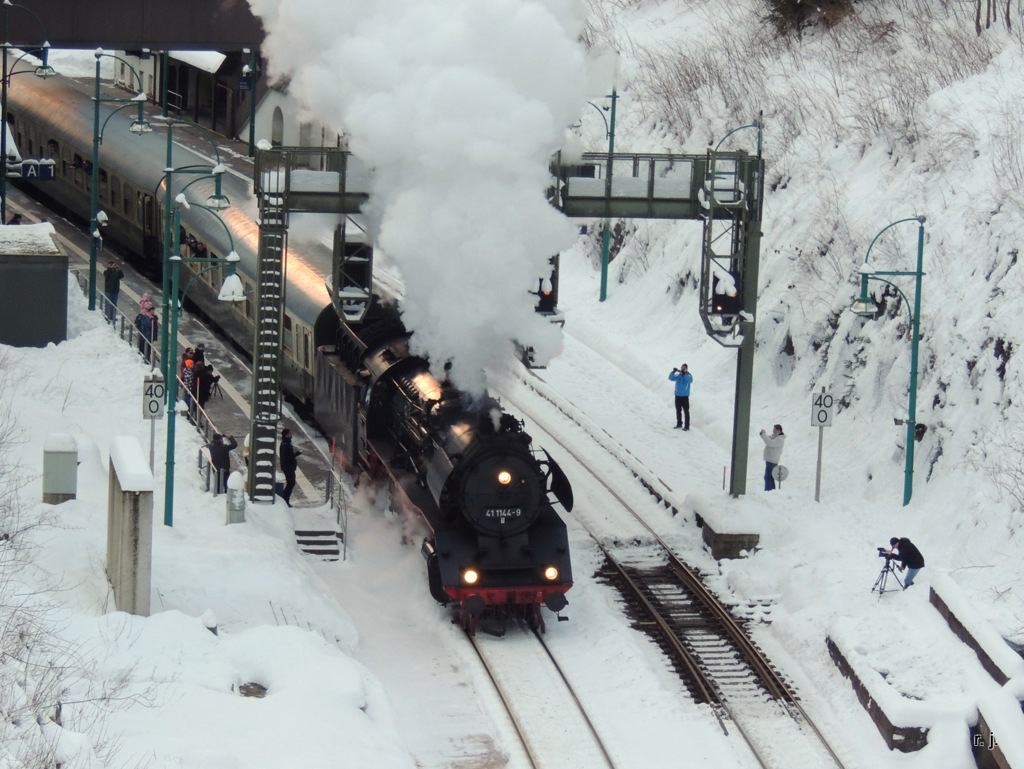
900	110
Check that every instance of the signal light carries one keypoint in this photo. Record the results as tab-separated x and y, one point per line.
725	296
550	573
470	576
504	477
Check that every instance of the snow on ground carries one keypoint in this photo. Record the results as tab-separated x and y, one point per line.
362	669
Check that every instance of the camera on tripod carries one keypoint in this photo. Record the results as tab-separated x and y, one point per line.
887	570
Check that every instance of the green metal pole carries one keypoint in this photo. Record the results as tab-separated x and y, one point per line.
908	481
172	394
606	240
94	193
166	364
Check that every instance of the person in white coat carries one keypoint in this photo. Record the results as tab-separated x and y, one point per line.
772	454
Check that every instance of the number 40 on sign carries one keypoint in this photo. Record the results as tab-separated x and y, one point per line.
821	409
153	394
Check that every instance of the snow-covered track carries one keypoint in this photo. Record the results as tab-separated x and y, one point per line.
550	721
721	660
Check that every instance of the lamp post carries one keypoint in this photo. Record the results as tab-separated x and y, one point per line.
231	291
137	127
217	201
609	127
44	70
866	306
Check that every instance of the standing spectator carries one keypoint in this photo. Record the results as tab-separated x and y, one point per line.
188	378
772	454
910	558
683	379
15	219
148	325
289	464
204	383
199	354
112	277
220	458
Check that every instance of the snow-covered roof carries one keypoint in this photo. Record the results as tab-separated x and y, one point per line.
208	61
28	239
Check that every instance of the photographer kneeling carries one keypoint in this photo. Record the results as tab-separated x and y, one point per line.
909	556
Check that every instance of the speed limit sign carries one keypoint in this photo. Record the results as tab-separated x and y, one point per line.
153	394
821	409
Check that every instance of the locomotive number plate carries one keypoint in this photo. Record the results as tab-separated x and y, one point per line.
503	512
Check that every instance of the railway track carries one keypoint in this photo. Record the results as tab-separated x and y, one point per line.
550	722
706	645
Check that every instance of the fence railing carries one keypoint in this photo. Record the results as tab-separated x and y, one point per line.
124	327
337	499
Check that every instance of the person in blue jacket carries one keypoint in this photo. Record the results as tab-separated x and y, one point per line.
683	379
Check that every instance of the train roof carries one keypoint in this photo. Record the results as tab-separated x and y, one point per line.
64	108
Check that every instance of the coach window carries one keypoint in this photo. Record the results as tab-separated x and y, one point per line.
54	148
104	191
140	210
129	195
288	332
78	164
115	188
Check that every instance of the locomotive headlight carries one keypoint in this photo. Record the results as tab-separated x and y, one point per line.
470	576
504	477
550	573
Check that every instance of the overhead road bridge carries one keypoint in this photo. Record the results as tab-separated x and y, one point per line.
179	25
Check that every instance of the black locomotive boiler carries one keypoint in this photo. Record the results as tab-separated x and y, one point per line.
495	545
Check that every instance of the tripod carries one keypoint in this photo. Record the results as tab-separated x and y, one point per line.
883	578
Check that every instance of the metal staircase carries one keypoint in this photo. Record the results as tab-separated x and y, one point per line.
267	347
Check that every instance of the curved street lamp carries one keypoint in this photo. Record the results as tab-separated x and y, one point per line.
231	291
138	127
217	201
609	129
866	307
43	70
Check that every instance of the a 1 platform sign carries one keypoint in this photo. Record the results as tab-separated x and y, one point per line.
821	409
153	395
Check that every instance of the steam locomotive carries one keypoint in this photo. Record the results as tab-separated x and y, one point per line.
495	546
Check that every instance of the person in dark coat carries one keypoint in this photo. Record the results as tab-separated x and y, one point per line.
111	288
289	465
204	383
149	327
220	458
910	558
16	219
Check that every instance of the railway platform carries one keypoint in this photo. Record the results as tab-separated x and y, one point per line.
318	524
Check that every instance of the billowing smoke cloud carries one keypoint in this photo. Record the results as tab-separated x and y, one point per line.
458	105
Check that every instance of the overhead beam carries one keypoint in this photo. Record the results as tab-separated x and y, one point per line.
177	25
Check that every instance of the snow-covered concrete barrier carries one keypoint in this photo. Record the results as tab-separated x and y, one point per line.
1001	662
730	530
130	526
894	722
